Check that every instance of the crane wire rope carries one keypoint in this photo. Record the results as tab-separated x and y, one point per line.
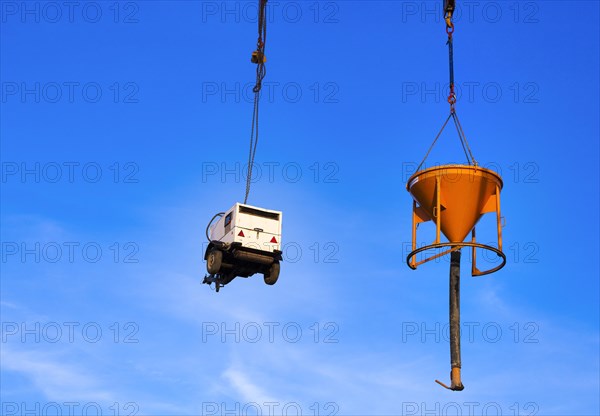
258	57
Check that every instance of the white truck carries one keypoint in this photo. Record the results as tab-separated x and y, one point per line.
244	241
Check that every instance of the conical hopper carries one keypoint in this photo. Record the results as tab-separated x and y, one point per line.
464	191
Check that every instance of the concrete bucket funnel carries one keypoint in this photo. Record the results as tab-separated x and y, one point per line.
455	197
463	192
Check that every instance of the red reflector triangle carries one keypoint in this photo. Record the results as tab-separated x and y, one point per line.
273	240
241	234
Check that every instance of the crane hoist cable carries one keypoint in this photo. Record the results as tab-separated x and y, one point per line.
258	58
449	6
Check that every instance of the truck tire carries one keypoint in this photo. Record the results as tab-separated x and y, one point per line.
273	274
213	261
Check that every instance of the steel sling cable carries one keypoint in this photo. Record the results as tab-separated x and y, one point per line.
434	141
258	57
463	140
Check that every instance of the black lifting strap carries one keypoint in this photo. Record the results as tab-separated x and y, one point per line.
258	58
448	13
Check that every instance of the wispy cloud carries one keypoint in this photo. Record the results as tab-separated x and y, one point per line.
244	387
57	380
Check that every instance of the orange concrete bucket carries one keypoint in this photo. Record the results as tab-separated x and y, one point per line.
455	197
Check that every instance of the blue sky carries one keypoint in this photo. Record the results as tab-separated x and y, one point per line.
125	127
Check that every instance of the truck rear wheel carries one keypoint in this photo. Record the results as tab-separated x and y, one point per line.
214	260
273	274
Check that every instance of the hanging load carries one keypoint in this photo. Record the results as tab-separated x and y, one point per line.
454	197
246	239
